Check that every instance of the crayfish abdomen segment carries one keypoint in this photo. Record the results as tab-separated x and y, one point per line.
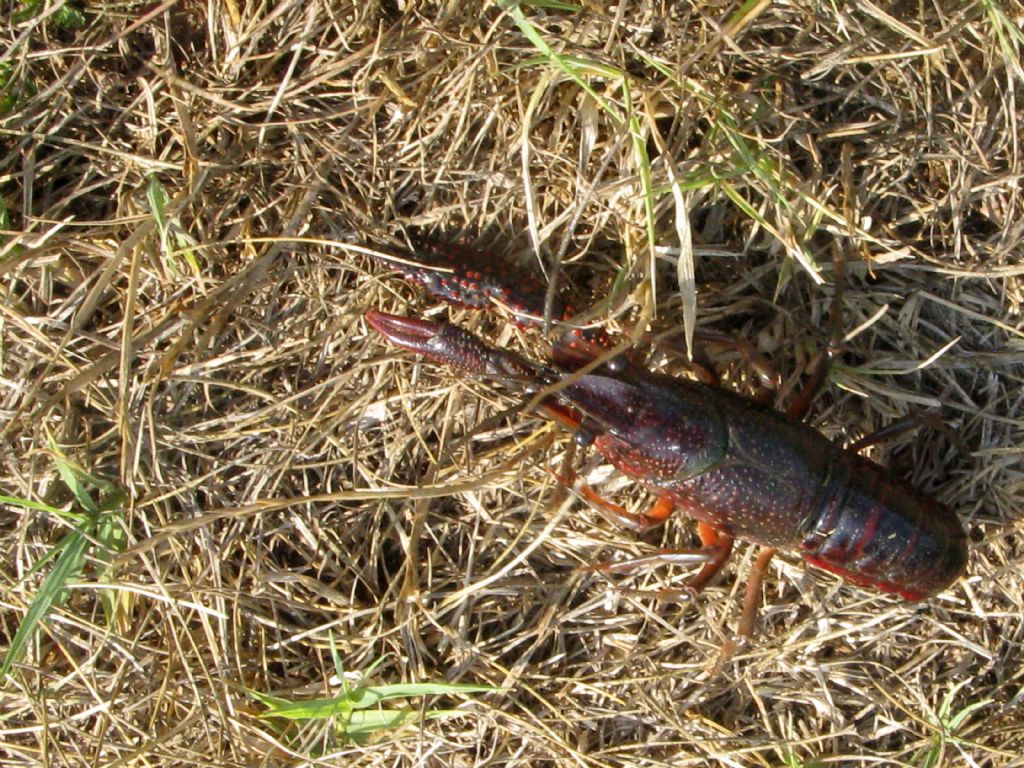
878	532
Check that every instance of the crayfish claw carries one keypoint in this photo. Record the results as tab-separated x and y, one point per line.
450	345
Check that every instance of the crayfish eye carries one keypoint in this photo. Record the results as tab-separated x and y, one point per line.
617	364
584	438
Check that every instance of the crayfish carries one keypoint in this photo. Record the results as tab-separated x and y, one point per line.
740	468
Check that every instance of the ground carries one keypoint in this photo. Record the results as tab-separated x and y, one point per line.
222	487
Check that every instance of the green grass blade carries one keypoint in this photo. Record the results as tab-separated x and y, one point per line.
38	506
67	17
310	709
1008	35
960	717
643	163
401	690
158	200
73	478
169	228
585	67
746	13
28	10
112	535
5	214
361	725
553	5
359	698
52	592
564	64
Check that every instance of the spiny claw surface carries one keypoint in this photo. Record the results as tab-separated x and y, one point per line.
452	346
465	278
407	332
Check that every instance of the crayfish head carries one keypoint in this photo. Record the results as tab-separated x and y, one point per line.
651	427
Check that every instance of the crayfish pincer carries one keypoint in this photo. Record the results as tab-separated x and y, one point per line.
740	468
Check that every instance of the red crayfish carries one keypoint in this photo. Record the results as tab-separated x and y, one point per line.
740	468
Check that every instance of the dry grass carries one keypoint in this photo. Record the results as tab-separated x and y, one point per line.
290	478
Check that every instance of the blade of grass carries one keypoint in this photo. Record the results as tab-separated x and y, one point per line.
1008	36
685	272
565	65
167	225
946	726
365	724
72	479
63	17
5	214
554	5
38	506
643	164
359	698
52	592
70	551
745	16
111	534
